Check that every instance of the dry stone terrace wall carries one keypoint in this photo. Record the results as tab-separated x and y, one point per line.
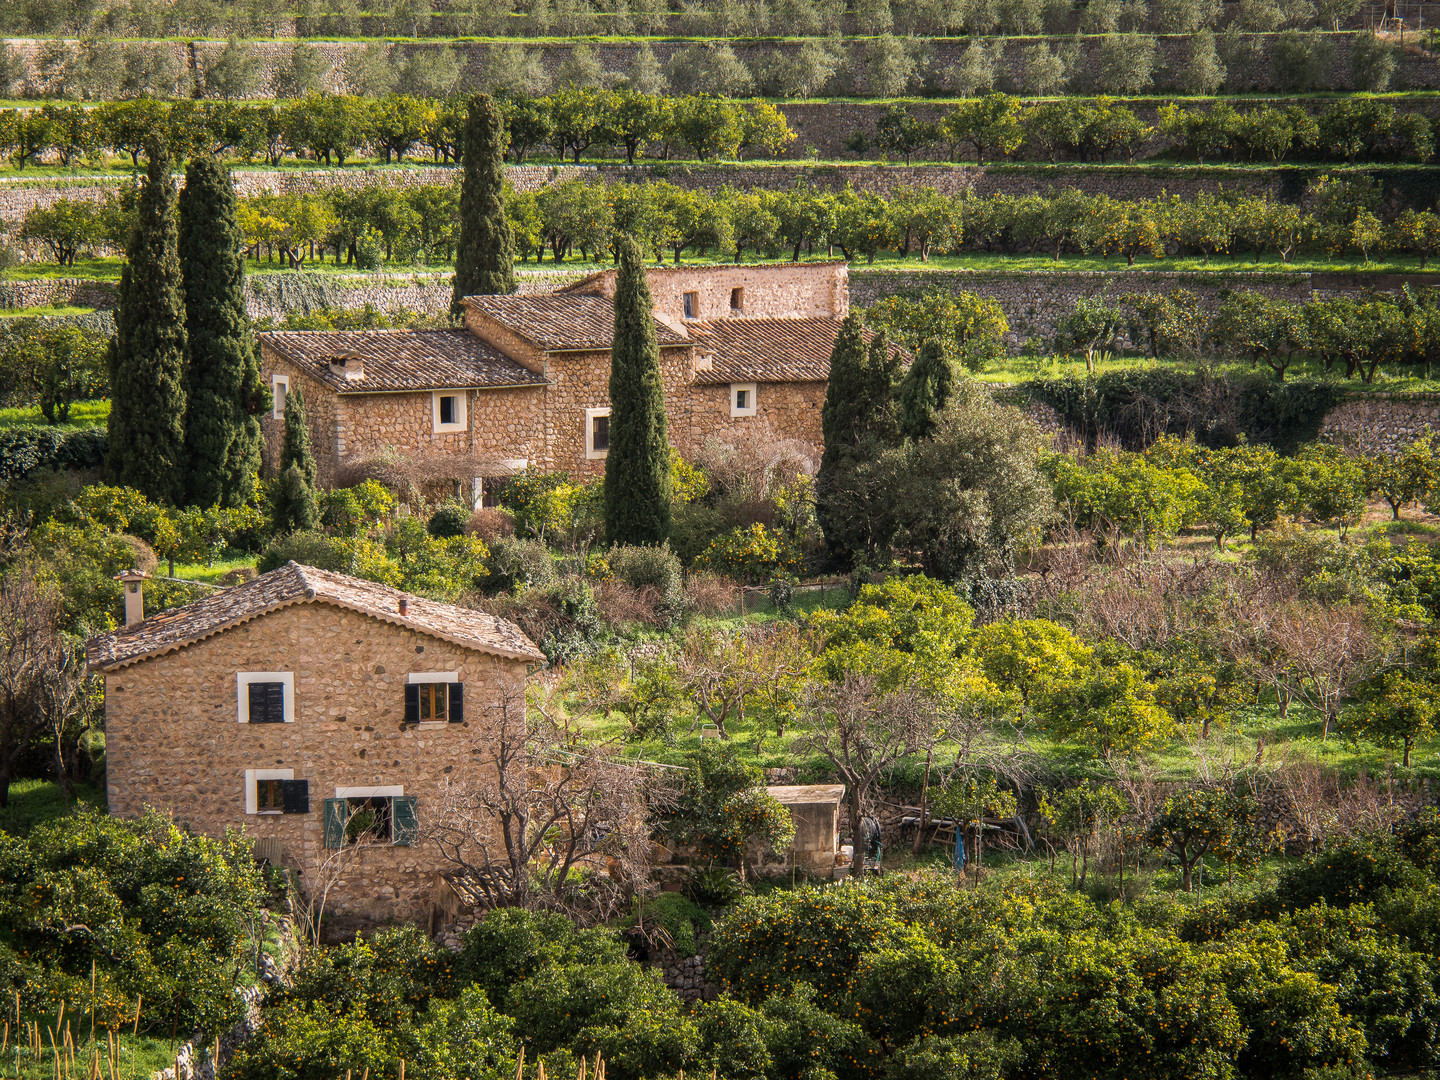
1173	52
1383	423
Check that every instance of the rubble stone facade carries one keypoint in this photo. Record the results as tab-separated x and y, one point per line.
545	426
175	741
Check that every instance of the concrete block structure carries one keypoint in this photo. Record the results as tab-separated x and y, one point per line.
301	705
525	383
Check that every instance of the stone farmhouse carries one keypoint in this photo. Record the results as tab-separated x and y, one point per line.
525	382
318	710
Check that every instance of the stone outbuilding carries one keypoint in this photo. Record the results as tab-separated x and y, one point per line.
321	712
526	382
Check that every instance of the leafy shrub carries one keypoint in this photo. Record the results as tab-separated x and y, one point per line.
390	976
509	945
679	917
25	448
1419	840
1353	870
714	886
516	563
752	554
646	567
450	519
977	1055
345	555
159	912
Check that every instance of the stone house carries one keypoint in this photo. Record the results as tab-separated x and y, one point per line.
319	711
526	381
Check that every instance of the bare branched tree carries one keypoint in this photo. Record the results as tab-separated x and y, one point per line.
1327	650
862	732
538	802
40	674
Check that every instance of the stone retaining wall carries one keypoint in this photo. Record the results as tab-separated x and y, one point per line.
193	58
1382	423
57	292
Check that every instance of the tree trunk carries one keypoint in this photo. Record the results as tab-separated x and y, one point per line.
924	791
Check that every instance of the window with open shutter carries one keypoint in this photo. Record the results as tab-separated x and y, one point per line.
267	702
403	827
457	702
335	816
295	796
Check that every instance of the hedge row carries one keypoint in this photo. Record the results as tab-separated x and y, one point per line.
23	449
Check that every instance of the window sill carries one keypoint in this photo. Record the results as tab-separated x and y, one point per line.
431	725
449	429
269	813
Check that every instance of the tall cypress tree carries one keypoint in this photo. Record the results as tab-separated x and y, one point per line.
925	391
148	352
637	468
485	253
855	423
222	387
296	507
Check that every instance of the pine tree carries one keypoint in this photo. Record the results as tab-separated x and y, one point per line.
148	352
485	253
637	468
222	436
855	423
296	507
925	391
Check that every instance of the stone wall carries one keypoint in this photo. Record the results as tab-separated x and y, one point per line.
57	292
173	740
1382	423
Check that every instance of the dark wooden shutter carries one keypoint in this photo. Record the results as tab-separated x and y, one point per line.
403	827
412	703
267	702
295	796
457	702
335	814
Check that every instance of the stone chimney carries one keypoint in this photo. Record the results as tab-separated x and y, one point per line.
404	605
349	366
134	596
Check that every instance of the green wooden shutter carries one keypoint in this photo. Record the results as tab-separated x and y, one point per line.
335	813
412	703
457	702
403	828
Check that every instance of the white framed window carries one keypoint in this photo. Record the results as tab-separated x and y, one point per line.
448	410
279	388
597	433
434	699
692	305
265	697
370	815
742	399
265	791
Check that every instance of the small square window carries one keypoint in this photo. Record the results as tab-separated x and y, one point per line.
737	299
279	388
268	797
742	399
597	432
367	820
265	697
692	305
448	411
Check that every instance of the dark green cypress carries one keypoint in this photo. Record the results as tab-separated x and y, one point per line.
148	352
296	507
925	391
637	468
222	386
485	252
856	424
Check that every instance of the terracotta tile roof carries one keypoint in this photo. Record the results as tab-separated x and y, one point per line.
766	350
400	359
296	584
557	322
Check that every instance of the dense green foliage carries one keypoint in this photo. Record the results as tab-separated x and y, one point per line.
485	250
149	353
637	466
223	393
296	506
